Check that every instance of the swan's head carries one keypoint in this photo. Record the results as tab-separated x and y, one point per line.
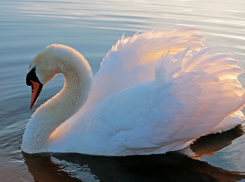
54	59
41	70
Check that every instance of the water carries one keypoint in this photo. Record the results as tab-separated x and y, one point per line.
92	27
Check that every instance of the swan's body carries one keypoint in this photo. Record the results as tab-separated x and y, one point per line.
140	101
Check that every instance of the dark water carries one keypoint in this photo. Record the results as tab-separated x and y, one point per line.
92	27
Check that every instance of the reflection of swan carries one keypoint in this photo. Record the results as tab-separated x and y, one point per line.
166	167
210	144
150	96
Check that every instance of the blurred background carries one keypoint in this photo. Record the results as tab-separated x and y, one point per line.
92	27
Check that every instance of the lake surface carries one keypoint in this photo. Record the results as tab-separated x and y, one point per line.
92	27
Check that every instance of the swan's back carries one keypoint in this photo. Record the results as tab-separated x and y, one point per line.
151	95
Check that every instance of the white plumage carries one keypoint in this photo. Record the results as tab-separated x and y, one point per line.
152	94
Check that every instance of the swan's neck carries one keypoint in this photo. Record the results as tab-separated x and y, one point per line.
50	115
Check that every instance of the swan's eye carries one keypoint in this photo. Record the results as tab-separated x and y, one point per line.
31	76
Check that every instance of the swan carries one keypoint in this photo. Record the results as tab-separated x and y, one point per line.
154	92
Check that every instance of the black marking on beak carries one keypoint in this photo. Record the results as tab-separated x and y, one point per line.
36	86
31	76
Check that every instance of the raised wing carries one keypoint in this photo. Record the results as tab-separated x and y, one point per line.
132	59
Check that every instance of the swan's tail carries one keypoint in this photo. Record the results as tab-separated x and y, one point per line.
206	87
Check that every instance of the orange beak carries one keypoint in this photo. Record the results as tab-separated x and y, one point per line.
36	90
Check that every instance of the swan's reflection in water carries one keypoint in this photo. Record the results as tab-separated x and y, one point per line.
167	167
211	144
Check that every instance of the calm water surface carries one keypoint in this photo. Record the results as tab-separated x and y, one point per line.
92	27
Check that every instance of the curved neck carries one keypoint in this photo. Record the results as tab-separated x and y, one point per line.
50	115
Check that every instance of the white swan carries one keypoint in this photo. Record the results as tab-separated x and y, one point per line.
150	96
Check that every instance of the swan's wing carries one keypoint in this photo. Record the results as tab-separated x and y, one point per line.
189	97
132	59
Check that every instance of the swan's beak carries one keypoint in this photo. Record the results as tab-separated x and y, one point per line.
36	87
